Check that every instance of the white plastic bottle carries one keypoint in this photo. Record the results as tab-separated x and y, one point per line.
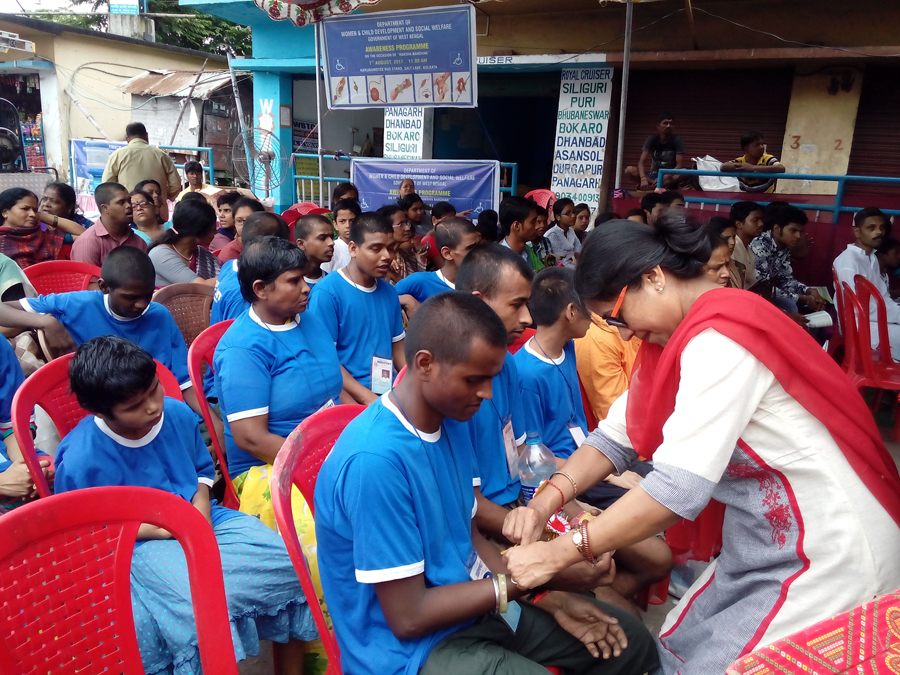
536	464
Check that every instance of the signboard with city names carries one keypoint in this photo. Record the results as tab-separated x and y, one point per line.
403	133
581	126
419	57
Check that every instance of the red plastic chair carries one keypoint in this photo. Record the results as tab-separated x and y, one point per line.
48	387
837	336
202	351
543	198
298	464
65	591
61	276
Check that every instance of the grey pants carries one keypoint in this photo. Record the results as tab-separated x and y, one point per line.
490	648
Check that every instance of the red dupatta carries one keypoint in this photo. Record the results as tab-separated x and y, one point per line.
30	245
800	365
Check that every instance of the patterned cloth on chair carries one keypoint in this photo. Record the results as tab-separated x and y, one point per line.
863	641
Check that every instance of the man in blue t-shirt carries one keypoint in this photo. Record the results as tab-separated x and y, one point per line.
410	583
548	378
228	303
501	279
121	307
455	238
361	311
312	235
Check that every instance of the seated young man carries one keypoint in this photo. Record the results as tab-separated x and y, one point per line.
241	210
432	252
784	232
111	230
121	307
346	211
653	206
888	254
503	281
361	311
228	303
756	160
870	228
454	238
748	223
518	221
313	236
225	233
411	585
193	171
539	249
137	437
663	150
552	406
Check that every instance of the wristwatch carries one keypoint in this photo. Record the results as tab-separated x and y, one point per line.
578	540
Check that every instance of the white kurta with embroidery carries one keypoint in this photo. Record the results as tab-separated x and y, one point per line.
803	538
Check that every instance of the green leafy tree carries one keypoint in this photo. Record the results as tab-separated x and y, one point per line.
196	30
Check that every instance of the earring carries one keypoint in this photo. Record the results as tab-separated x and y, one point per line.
659	287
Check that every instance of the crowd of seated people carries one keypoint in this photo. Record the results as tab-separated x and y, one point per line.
421	501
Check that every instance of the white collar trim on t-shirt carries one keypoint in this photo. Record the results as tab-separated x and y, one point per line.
540	355
440	275
346	277
128	442
122	318
428	438
274	327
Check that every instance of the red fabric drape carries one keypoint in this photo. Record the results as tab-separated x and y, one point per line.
805	371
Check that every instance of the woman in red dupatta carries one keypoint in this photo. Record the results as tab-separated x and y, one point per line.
21	236
736	403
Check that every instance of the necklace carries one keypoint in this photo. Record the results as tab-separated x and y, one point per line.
187	259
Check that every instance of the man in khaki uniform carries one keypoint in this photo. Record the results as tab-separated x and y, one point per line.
139	161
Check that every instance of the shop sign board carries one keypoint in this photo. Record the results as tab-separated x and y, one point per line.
422	57
581	126
404	131
468	185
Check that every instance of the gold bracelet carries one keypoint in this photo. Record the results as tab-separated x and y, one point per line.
496	593
571	480
501	580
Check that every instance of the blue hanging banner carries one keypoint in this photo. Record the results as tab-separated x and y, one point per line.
421	57
468	185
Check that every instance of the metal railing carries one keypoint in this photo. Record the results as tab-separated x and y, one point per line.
301	180
836	209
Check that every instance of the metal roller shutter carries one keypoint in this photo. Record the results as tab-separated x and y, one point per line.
876	138
712	108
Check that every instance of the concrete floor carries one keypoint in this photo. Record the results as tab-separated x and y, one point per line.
653	618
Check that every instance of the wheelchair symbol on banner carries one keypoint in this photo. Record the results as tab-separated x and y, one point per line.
456	58
340	64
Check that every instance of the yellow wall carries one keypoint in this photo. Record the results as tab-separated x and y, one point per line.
820	125
79	61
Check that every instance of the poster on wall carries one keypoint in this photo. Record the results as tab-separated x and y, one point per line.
305	136
423	57
124	7
581	126
88	161
468	185
404	132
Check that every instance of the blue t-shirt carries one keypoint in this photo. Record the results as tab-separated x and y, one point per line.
363	322
286	372
486	430
228	303
551	397
422	285
391	503
11	378
312	283
86	315
171	457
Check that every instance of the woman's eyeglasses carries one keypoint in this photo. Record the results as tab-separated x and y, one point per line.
611	319
141	206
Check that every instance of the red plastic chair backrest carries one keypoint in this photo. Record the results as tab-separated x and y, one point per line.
202	350
523	338
303	208
866	292
48	387
838	299
65	591
298	464
543	198
61	276
857	337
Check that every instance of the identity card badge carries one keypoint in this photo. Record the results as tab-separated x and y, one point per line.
512	451
577	434
382	375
